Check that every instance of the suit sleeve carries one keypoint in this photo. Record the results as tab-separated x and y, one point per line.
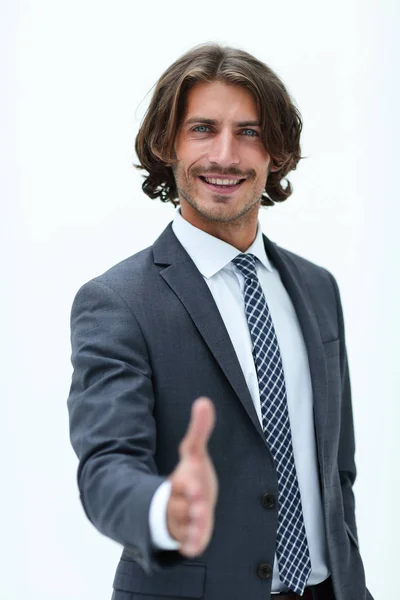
346	453
112	428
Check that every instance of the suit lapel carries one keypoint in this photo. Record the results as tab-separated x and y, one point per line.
183	277
295	284
186	281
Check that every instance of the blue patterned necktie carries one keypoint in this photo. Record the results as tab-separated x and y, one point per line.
291	541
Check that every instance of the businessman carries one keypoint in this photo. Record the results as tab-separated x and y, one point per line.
210	402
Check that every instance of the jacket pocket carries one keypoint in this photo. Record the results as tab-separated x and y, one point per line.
180	580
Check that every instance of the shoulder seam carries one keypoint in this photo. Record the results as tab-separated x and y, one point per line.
96	280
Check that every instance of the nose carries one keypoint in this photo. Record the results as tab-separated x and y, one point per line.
224	149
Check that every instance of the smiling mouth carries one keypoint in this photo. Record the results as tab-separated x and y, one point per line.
226	184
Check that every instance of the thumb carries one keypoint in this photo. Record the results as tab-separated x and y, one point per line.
200	427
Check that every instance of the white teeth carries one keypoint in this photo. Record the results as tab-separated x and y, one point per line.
221	181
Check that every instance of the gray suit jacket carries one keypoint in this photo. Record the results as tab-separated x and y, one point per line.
147	340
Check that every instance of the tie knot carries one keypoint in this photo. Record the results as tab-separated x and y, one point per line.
246	263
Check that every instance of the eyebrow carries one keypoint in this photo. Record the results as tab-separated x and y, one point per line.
215	122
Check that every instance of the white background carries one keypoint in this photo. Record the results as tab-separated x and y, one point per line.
76	77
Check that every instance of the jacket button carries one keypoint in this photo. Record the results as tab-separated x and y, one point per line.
268	501
264	571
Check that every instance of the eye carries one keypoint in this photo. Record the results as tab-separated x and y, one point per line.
250	132
201	128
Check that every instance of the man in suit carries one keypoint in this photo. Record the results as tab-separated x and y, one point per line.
210	403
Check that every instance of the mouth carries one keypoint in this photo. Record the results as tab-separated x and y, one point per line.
226	185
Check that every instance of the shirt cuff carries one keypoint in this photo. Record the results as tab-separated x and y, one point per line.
158	519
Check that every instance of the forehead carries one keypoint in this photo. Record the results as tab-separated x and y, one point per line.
221	101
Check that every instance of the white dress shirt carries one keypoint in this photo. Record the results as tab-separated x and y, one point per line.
213	257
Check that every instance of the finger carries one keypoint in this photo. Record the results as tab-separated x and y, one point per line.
197	533
200	427
178	518
187	484
178	486
180	508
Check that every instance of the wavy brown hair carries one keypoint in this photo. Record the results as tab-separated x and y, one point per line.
281	122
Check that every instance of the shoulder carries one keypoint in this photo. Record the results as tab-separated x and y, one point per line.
127	280
318	280
320	283
137	266
308	270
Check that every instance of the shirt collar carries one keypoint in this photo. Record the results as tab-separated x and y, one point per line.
210	254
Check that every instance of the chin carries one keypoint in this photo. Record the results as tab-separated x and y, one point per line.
222	214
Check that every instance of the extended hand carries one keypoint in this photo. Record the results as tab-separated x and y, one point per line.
194	489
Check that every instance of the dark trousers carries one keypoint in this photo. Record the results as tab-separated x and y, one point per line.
322	591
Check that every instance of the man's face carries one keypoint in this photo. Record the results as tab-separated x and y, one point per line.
222	163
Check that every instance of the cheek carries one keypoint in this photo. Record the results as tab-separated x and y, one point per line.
186	151
183	172
263	171
260	180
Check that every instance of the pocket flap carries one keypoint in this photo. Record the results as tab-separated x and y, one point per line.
180	580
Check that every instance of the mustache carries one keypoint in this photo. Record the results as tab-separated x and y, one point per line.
196	171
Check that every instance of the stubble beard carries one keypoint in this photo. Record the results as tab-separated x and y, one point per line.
185	190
